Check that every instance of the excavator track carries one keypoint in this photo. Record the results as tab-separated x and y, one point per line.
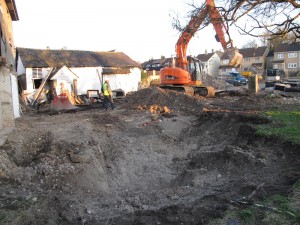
203	91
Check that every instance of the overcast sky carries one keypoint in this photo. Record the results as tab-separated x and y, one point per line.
142	29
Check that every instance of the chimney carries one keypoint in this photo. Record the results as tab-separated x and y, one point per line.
205	51
212	50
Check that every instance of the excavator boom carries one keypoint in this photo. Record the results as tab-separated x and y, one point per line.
185	71
235	58
216	19
186	36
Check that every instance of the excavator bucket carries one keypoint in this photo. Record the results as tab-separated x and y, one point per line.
236	59
62	102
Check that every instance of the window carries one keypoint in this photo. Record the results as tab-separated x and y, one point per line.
292	65
275	66
37	73
280	56
166	64
292	55
37	83
257	59
247	59
155	65
225	61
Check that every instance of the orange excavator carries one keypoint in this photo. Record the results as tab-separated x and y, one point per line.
184	73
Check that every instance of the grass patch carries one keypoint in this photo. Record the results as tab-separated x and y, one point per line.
281	203
286	125
246	215
297	185
275	210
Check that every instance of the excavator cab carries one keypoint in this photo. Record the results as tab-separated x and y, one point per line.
174	75
195	70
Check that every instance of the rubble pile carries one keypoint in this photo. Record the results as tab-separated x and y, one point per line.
218	84
174	101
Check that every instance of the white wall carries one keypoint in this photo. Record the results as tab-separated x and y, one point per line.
64	79
20	67
213	65
29	80
126	82
88	79
15	95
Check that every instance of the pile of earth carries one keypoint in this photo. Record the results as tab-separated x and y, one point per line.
175	101
218	84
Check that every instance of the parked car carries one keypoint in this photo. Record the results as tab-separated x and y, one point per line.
236	79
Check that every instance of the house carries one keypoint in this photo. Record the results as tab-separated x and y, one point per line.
152	68
153	64
287	59
9	99
254	60
74	71
210	62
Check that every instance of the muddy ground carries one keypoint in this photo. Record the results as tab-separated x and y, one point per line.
159	158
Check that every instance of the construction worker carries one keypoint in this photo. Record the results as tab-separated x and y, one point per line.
107	93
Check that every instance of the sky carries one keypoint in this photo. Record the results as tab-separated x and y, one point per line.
142	29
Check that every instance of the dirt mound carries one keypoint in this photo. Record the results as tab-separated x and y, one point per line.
218	84
175	101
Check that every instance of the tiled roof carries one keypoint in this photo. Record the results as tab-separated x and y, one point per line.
168	60
285	47
161	61
249	52
144	64
205	57
73	58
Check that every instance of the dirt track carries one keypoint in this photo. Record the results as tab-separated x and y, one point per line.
132	166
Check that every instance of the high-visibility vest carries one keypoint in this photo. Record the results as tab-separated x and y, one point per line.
105	89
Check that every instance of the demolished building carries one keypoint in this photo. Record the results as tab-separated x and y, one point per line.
77	73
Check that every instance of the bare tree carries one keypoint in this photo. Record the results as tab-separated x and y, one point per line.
250	44
275	40
269	19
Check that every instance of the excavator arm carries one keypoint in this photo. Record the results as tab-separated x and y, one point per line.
210	10
186	36
235	58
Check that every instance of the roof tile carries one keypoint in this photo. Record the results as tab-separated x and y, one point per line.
74	58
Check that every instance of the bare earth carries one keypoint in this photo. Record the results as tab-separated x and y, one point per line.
160	158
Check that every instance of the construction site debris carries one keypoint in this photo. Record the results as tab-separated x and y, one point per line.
62	101
131	166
